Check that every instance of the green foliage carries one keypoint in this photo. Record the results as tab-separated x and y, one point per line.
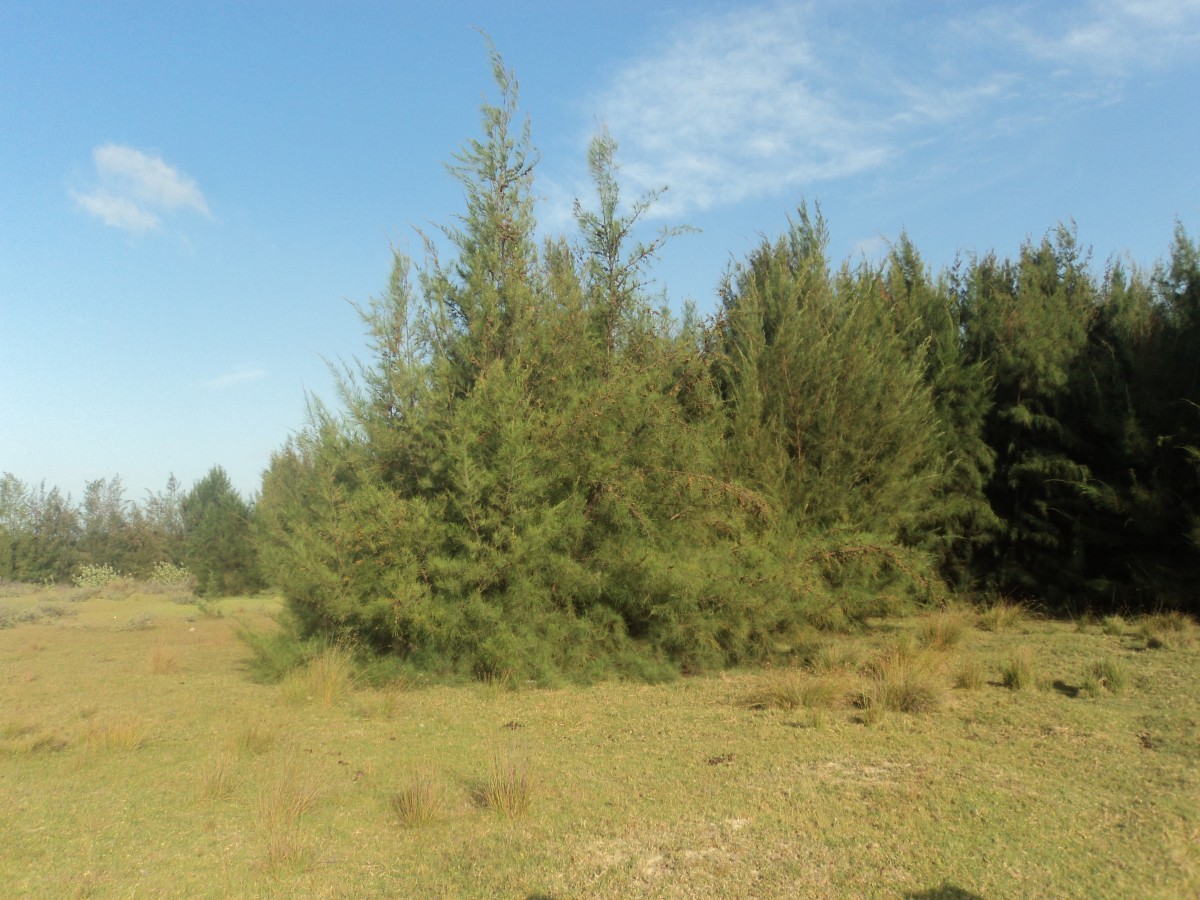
218	548
95	576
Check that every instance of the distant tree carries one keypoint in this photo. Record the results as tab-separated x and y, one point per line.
106	538
218	547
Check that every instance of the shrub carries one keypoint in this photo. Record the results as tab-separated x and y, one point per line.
95	576
170	575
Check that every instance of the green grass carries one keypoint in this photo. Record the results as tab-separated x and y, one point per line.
678	789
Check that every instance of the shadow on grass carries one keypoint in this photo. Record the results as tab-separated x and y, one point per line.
945	892
1068	690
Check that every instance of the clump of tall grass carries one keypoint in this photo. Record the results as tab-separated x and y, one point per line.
217	780
123	734
1003	615
282	803
324	679
942	630
162	661
970	674
1113	625
1167	630
1106	674
26	737
508	786
253	738
901	679
419	800
791	689
1019	671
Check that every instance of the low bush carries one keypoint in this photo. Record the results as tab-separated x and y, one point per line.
95	576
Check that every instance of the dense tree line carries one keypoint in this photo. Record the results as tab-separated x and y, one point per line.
44	536
543	471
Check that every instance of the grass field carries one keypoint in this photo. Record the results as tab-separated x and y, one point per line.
139	759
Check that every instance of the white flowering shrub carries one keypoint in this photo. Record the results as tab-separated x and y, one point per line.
95	576
169	574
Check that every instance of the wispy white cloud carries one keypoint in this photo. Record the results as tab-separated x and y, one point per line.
732	105
135	189
1110	37
785	96
239	375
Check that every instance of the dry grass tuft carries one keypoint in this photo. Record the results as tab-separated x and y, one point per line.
1106	674
970	674
163	662
254	738
508	788
217	780
901	679
1019	672
324	680
419	800
1003	615
942	631
1168	630
791	689
282	803
118	735
1113	626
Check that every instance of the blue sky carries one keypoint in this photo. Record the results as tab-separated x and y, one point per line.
192	193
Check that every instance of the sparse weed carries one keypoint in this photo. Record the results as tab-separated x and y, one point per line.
508	788
419	800
119	735
1003	615
1019	671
